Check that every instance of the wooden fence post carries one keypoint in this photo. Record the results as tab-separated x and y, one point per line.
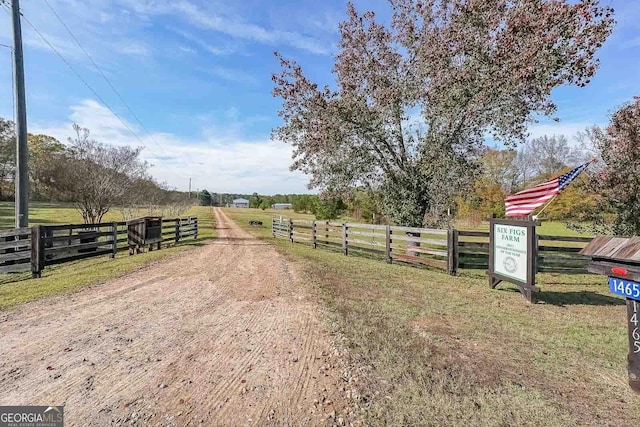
177	230
326	232
387	242
345	244
114	239
291	230
37	251
195	229
273	227
314	231
452	252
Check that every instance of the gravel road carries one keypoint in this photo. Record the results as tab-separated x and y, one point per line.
219	335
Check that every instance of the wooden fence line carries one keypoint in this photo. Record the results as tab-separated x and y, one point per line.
449	250
33	249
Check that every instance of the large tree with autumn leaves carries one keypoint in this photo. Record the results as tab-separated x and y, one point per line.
415	100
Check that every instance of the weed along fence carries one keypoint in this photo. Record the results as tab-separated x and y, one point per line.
449	250
33	249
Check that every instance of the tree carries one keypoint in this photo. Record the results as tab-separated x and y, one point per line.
44	152
471	68
97	176
552	154
7	156
255	201
205	198
618	181
329	208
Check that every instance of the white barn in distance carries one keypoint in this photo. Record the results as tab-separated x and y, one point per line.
240	203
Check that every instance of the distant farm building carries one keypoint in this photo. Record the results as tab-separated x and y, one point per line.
282	206
240	203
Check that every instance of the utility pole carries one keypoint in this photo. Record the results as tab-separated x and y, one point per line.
189	188
22	150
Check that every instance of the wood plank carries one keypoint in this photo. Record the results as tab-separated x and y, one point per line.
367	226
364	242
15	256
366	234
477	251
462	233
558	249
16	268
473	257
19	245
474	245
424	240
76	248
90	227
469	266
435	231
63	238
565	238
26	231
542	269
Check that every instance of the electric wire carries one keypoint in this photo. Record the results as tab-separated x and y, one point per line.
93	62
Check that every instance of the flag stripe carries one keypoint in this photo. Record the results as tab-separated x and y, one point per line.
528	200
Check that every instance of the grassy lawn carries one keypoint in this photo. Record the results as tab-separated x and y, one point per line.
440	350
16	288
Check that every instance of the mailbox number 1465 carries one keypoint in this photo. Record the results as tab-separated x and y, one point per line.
624	288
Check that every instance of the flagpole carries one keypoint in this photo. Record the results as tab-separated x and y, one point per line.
545	206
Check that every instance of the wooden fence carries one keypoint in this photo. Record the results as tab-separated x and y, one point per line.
33	249
450	250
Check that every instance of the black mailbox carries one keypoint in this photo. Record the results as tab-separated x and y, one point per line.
144	231
619	258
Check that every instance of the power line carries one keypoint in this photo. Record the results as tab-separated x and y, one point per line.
96	94
101	73
79	76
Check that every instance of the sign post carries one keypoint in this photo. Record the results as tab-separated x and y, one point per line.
513	254
633	365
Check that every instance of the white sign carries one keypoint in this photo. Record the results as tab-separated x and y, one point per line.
510	251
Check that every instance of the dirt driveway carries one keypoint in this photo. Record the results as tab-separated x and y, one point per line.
221	335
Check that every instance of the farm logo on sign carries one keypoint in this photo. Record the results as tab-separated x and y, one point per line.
510	264
31	416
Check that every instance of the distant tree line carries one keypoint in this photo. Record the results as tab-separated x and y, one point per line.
93	176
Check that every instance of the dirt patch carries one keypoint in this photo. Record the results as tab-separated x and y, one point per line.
221	335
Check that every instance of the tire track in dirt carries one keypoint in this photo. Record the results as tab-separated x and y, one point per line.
223	334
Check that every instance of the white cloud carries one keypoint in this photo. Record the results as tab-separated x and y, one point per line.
217	164
230	25
231	75
208	47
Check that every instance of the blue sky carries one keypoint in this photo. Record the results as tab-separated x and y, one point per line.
197	74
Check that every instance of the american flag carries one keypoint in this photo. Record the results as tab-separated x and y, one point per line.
526	201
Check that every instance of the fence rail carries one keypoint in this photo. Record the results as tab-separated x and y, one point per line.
450	250
33	249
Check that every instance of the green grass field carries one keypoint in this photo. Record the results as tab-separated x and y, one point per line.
440	350
16	288
58	213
